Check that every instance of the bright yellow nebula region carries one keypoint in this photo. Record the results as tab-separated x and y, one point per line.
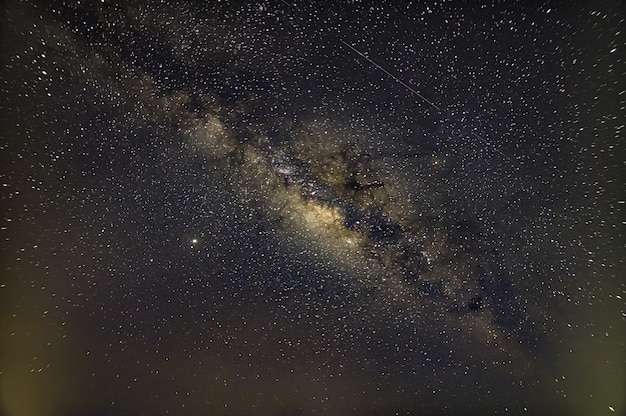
321	226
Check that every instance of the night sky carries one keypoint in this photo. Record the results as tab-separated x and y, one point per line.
285	208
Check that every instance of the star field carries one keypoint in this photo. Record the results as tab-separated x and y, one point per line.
276	208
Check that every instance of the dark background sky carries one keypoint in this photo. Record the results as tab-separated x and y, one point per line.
226	209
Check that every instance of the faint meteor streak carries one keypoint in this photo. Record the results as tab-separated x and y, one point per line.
398	80
404	84
489	145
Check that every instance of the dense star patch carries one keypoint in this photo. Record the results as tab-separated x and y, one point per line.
286	208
